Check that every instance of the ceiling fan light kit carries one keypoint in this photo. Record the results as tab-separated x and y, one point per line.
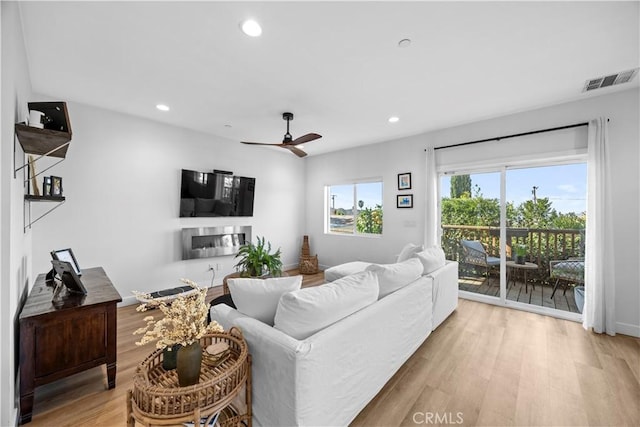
288	142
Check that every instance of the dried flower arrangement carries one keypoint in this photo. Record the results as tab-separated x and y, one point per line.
184	319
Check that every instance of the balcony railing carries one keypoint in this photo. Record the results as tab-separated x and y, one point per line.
543	245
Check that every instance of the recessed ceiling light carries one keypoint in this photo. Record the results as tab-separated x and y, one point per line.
251	28
404	43
162	107
394	119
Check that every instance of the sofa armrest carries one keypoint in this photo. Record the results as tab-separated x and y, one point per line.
274	365
445	291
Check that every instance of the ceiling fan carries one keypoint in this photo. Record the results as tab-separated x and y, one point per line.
288	142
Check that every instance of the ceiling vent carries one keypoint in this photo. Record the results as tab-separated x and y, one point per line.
613	79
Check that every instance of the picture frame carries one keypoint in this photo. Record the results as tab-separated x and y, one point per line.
68	256
404	201
404	181
56	186
68	276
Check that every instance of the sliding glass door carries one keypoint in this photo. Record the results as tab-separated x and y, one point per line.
540	212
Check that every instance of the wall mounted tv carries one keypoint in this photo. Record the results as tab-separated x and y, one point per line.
215	194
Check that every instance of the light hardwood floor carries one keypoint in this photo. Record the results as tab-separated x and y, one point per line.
486	365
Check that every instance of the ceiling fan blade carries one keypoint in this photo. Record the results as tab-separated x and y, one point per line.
305	138
298	152
259	143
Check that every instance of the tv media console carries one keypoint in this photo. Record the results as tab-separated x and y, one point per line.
67	335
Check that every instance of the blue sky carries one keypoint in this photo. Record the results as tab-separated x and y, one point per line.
369	192
564	185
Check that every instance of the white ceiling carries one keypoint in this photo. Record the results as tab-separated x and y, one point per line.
335	65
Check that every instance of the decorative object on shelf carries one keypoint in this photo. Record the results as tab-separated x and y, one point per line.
308	264
36	119
46	186
56	186
188	363
257	260
32	176
521	253
184	323
404	201
404	181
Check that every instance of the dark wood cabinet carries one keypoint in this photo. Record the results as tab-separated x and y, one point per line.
66	336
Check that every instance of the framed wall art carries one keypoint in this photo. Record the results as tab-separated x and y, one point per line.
404	181
404	201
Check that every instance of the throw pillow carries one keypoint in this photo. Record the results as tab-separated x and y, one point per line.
392	277
258	298
409	251
302	313
432	259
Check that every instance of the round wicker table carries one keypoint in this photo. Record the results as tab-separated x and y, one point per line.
157	399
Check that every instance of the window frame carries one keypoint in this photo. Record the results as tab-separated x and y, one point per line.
354	183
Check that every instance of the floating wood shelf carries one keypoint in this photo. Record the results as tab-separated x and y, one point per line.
32	198
42	141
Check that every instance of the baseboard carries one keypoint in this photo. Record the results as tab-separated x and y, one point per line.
628	329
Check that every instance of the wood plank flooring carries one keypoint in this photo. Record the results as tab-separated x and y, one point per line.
486	364
540	296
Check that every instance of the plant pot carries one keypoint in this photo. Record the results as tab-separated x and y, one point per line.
169	357
520	259
188	363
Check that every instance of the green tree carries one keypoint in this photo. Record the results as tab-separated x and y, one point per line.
460	186
370	220
570	221
538	214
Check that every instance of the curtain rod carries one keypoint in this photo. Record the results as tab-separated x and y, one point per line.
498	138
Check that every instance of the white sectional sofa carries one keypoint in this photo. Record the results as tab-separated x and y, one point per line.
326	378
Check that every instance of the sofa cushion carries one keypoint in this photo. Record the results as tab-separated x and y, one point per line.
302	313
343	270
392	277
409	251
258	298
432	259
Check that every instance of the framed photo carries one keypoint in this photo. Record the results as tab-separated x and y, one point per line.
56	186
68	256
404	181
404	201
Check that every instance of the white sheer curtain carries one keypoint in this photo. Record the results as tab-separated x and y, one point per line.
599	308
431	201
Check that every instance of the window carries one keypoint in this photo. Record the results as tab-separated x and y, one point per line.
354	208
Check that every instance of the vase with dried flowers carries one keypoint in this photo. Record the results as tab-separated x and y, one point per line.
183	324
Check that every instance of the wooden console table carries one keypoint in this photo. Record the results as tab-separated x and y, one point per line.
60	338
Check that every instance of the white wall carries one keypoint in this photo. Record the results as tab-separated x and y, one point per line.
389	158
121	178
15	246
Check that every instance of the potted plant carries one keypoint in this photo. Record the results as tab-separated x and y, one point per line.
257	260
521	253
179	331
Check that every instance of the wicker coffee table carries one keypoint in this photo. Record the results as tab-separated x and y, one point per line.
157	399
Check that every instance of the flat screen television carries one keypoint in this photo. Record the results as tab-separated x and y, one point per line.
215	194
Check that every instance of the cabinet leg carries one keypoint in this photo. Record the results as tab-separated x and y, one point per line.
26	407
111	375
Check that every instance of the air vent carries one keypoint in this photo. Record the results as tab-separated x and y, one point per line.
613	79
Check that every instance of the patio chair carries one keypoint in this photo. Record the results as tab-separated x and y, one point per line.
568	271
475	254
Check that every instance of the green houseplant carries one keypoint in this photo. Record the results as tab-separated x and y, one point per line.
256	260
521	253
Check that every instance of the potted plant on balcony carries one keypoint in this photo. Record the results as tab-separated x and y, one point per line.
521	253
257	260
